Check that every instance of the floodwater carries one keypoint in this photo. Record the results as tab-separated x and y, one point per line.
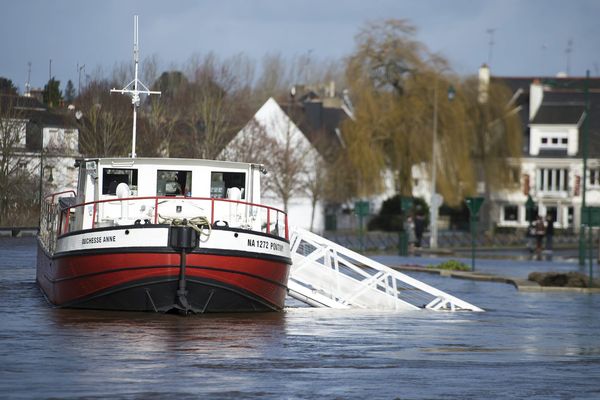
527	345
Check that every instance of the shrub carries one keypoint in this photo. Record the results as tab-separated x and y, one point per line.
452	265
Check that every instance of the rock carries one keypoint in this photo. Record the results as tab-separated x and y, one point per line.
561	279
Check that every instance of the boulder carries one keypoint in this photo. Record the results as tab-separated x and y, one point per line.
561	279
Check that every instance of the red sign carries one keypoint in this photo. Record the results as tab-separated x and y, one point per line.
525	184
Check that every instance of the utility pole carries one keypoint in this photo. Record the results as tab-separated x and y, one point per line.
491	43
433	206
568	52
586	139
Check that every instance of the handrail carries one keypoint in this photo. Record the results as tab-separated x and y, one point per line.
157	199
53	195
175	198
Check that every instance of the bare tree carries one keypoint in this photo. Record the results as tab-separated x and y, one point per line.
215	106
251	145
158	127
12	160
105	124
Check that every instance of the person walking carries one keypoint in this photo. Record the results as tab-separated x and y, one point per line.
419	229
540	231
409	229
549	232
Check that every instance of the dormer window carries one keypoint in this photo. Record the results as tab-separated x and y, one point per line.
554	142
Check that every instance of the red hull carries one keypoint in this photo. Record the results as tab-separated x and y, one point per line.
117	280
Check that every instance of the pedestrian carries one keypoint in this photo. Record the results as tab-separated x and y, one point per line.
549	232
409	229
530	236
540	231
419	229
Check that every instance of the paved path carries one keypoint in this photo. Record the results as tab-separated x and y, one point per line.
514	272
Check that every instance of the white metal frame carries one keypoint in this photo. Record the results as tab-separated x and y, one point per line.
325	274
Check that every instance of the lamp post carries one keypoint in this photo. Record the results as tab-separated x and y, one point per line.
586	135
436	199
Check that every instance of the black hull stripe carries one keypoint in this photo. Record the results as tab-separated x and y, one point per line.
162	250
147	226
135	284
84	276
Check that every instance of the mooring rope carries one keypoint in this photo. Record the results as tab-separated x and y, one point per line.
199	224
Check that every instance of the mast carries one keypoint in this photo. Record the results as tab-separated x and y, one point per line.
132	88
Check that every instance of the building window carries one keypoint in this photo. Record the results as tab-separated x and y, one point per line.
511	213
552	179
554	142
553	212
595	177
570	213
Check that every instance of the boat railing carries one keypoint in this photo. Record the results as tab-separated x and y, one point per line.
49	221
167	209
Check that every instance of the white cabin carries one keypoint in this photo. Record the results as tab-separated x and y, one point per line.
124	191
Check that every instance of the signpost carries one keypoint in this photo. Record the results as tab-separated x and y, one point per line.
474	204
406	203
590	218
361	208
529	207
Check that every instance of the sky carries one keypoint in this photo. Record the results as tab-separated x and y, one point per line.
530	37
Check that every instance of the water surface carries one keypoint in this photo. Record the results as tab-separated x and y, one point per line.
527	345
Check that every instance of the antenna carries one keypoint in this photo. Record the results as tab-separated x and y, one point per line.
28	83
79	68
132	87
491	43
568	51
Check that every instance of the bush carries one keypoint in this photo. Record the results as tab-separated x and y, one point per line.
391	216
452	265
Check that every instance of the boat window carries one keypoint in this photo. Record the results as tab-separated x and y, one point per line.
173	183
220	182
111	177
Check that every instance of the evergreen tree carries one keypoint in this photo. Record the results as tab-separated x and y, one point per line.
69	92
52	93
7	86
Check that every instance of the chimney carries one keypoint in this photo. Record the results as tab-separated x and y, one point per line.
536	95
484	83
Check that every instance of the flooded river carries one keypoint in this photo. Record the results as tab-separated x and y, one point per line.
527	345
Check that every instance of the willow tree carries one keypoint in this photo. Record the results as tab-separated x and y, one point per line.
398	87
390	81
496	138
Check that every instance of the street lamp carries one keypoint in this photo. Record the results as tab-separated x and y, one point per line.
436	199
586	138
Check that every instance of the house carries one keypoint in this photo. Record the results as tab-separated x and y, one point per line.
44	140
293	139
553	115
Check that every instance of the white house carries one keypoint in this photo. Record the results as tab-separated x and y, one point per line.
271	138
553	115
46	141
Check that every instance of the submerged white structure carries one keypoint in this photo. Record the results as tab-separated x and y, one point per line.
325	274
